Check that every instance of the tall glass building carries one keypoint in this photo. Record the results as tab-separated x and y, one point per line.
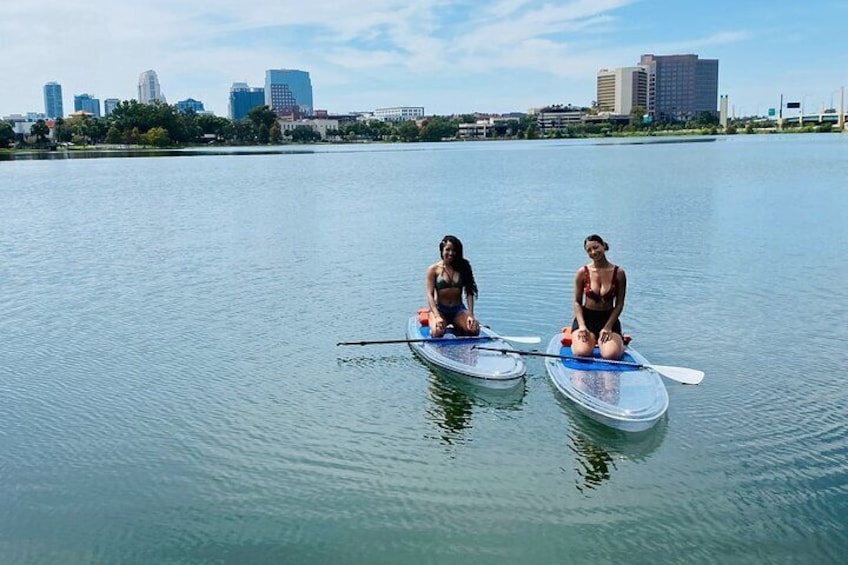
109	105
53	100
288	91
148	88
87	103
680	87
243	99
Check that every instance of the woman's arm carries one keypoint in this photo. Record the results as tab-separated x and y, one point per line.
431	295
578	302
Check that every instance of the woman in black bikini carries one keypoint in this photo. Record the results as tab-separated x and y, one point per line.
599	290
445	282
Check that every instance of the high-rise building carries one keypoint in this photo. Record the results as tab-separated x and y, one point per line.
680	87
87	103
190	104
288	91
53	100
148	88
243	99
622	90
109	105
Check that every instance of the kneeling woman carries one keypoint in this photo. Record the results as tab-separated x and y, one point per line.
446	281
599	290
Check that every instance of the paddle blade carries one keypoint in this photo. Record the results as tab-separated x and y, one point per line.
679	374
522	339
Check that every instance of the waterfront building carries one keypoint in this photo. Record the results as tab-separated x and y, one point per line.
288	92
190	104
680	87
53	100
622	90
557	117
148	88
399	113
243	99
88	104
109	105
318	125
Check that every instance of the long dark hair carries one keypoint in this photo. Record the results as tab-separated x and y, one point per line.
461	264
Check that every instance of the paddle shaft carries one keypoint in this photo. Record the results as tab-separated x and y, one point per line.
422	340
682	375
573	357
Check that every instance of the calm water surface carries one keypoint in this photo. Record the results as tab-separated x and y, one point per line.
171	391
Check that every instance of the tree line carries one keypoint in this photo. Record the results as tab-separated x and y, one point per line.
162	125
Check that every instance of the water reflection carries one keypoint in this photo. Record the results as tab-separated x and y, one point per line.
454	398
600	450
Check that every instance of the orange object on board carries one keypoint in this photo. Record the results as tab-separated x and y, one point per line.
424	316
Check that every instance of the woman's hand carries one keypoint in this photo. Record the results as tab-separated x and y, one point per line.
472	324
605	336
438	322
583	334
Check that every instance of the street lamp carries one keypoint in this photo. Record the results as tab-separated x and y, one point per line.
801	117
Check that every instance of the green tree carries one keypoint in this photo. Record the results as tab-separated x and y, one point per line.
438	128
114	136
276	133
262	115
7	134
304	134
408	131
40	130
157	137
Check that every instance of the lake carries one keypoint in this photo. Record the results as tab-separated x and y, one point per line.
171	390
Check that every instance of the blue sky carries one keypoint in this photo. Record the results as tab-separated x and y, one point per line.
448	56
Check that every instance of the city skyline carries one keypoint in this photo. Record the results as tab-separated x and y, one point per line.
450	57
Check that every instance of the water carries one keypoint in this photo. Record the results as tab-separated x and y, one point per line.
171	391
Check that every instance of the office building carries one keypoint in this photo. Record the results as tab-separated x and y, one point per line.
148	88
109	105
399	113
88	104
53	100
288	92
243	99
680	87
622	90
190	104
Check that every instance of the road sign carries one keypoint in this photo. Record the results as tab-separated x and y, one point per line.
771	111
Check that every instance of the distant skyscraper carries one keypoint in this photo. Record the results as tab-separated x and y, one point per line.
53	100
680	86
109	105
191	104
243	99
148	88
622	90
87	103
288	91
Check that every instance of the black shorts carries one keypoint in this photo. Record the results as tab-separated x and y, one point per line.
595	321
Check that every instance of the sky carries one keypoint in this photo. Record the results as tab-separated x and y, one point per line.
449	56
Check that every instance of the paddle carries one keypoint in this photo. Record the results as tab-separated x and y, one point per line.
516	339
679	374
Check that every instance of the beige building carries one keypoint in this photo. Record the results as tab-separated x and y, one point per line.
622	90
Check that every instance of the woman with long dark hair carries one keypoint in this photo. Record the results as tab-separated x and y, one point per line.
446	281
599	290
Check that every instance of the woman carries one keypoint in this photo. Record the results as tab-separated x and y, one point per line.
599	290
446	281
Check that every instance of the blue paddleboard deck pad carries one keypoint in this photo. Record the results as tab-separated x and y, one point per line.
598	363
458	355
